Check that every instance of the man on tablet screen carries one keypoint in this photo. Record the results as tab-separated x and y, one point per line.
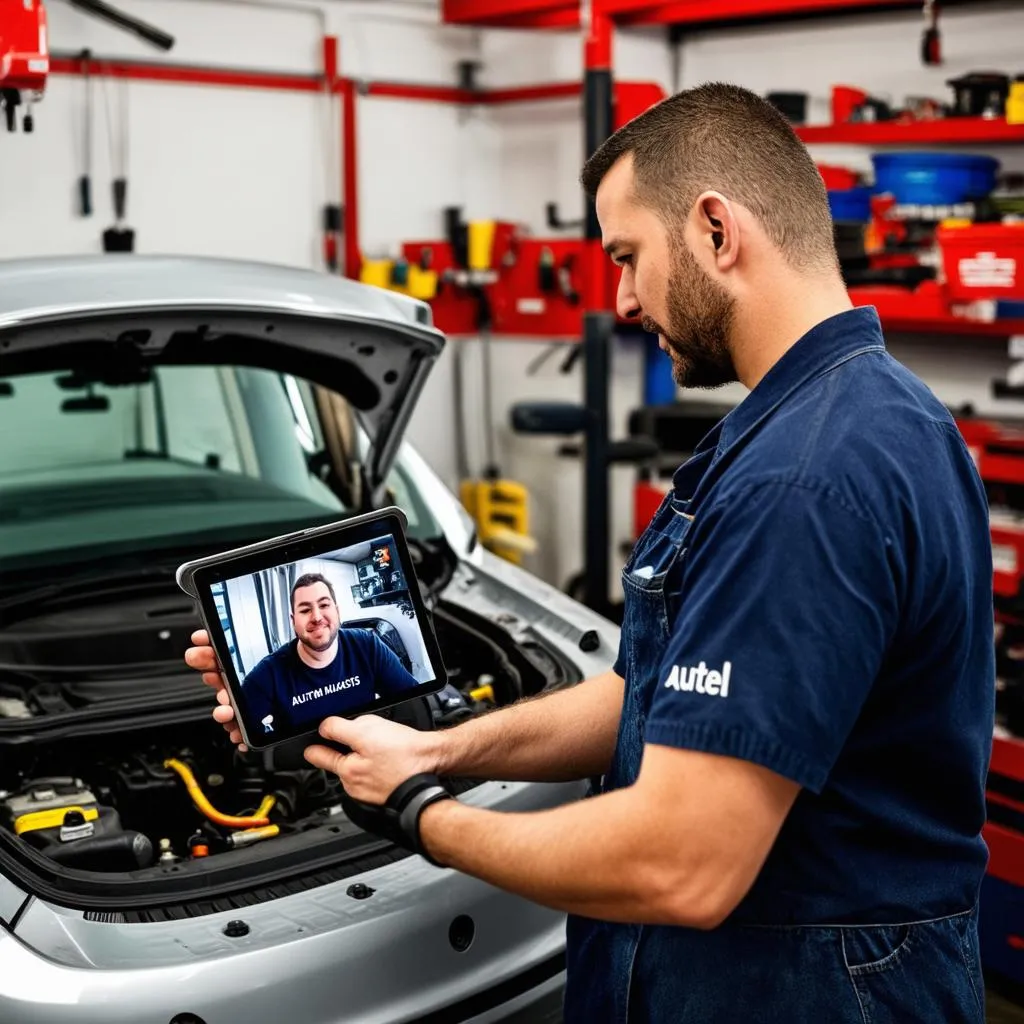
325	670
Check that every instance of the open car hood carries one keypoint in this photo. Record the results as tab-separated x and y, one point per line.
117	315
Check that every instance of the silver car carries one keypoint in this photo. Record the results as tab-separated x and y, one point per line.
152	410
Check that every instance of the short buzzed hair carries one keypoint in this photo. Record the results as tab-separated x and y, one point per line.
728	139
307	581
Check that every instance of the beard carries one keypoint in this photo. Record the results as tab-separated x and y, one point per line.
700	313
319	648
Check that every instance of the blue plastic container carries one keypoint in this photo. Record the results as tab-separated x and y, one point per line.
850	204
934	179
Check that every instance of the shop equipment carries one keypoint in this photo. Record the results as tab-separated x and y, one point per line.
24	59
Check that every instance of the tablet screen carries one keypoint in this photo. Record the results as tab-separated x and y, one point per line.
331	633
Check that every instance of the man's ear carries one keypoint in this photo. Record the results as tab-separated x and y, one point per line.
718	231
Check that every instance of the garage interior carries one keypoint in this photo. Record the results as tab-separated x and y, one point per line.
432	148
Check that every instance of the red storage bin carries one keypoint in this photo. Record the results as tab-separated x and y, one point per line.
838	178
647	499
983	261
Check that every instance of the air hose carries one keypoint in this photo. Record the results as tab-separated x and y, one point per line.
204	805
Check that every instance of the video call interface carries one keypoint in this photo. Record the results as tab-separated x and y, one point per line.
327	635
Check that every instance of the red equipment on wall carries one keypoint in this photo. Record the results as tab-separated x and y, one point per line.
24	58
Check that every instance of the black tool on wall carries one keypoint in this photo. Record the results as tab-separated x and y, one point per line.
118	238
85	181
114	16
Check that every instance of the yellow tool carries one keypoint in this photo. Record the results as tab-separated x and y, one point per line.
1015	103
481	243
399	276
485	692
500	510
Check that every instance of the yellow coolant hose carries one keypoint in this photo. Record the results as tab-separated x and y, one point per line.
211	812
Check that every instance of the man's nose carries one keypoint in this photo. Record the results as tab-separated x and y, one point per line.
626	304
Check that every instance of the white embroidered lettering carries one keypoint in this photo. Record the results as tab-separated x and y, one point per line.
702	671
701	679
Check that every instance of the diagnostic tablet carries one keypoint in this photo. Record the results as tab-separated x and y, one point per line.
326	621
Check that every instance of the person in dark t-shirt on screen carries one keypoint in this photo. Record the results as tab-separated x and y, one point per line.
325	670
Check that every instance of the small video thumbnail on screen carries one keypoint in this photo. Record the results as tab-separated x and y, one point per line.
323	636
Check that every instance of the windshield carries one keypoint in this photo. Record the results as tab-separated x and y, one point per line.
187	457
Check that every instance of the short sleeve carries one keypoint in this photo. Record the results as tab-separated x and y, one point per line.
789	601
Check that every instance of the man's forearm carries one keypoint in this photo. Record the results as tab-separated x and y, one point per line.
572	858
569	734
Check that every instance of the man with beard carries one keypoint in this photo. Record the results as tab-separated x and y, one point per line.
793	741
324	670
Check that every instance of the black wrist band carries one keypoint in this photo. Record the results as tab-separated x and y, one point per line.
409	818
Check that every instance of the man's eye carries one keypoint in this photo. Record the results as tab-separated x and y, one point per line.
624	261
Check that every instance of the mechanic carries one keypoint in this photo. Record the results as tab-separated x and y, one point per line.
324	670
793	741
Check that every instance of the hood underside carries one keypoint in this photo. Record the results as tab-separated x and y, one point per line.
112	318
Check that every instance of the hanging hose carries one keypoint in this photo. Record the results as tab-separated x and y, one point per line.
204	805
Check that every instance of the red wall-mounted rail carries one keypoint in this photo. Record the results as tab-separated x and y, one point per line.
565	14
184	74
945	131
181	74
696	12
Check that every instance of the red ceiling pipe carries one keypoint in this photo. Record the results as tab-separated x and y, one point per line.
528	93
523	12
185	75
411	91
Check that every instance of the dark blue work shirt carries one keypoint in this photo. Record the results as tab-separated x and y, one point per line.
285	690
815	596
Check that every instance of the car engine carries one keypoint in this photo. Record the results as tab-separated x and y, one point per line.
162	802
130	799
127	804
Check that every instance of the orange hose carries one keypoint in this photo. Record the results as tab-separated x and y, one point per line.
204	805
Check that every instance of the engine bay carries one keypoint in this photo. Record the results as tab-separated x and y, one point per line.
134	804
129	797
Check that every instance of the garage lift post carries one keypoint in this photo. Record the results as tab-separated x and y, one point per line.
598	326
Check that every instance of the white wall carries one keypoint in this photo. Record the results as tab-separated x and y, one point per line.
246	172
242	172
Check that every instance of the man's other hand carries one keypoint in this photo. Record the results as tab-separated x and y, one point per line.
202	658
384	754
